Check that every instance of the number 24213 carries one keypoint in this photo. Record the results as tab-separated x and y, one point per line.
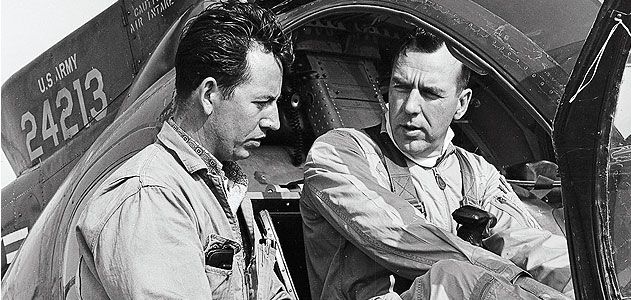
50	129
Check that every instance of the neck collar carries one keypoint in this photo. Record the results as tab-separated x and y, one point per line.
228	169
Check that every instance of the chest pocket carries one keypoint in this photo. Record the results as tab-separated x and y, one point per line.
220	263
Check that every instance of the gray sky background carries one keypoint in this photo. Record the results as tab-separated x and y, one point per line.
30	27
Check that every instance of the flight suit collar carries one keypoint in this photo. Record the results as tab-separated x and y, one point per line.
173	142
194	157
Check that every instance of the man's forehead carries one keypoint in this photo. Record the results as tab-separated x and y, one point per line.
441	57
264	74
412	63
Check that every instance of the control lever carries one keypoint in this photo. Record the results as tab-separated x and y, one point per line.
475	224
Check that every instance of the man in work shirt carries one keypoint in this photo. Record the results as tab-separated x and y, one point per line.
174	220
377	203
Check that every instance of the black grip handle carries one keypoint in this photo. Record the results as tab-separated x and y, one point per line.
474	223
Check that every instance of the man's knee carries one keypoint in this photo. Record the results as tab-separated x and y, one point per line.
446	278
452	279
451	271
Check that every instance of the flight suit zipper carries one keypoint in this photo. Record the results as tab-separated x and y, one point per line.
439	180
442	185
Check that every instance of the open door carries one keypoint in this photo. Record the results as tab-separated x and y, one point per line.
592	139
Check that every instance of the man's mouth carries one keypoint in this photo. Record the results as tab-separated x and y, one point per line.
254	142
411	130
410	127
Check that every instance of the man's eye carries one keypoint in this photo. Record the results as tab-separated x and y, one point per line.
431	96
263	104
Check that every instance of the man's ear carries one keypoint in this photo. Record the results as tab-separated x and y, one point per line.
208	94
463	103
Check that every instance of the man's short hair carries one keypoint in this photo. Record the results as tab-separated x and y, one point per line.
216	43
424	41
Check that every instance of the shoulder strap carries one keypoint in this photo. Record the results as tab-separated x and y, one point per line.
393	160
401	180
469	191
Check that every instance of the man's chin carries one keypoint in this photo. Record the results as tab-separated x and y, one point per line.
241	154
416	149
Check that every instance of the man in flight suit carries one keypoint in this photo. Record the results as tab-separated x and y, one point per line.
377	203
174	221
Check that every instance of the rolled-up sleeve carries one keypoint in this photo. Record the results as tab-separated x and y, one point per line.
148	247
380	223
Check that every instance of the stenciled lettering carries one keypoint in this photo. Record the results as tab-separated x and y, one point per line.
61	70
40	131
136	24
45	82
66	132
158	9
49	127
147	10
98	93
142	7
66	67
28	117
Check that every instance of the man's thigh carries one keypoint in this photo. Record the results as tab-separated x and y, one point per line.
451	279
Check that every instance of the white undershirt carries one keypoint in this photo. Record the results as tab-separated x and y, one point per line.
234	192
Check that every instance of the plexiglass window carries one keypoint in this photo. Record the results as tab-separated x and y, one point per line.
619	184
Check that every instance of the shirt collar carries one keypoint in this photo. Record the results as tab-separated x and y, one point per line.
426	162
194	156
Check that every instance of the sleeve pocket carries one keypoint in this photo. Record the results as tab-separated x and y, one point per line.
517	212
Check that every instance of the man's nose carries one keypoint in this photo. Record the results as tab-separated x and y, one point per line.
413	102
271	120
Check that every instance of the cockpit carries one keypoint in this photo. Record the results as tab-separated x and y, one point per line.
340	78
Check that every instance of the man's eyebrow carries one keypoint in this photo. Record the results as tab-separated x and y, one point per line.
267	97
398	80
430	89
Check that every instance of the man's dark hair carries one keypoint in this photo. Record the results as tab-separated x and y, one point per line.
424	41
216	42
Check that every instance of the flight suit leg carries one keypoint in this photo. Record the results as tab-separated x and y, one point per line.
451	279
